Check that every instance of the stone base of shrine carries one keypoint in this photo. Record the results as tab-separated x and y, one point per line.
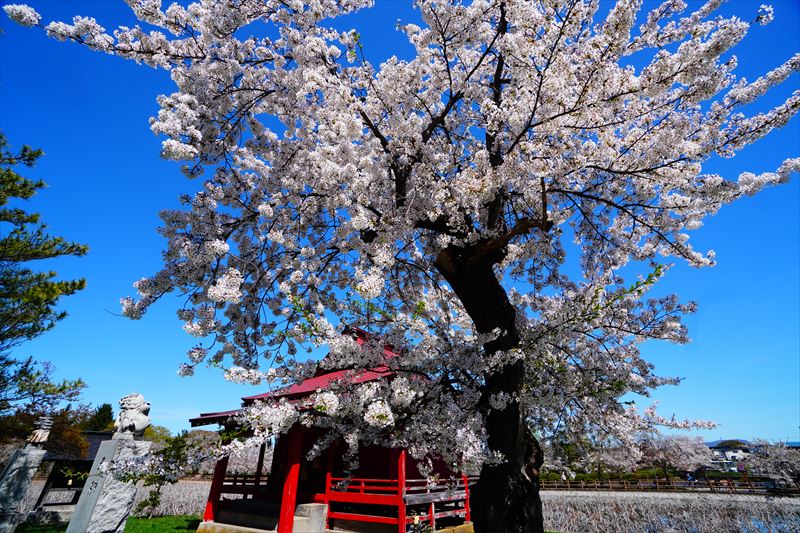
213	527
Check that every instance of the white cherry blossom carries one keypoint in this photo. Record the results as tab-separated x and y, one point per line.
22	14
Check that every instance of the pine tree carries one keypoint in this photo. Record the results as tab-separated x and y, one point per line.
28	298
101	420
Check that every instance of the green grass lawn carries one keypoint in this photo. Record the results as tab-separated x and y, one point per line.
162	524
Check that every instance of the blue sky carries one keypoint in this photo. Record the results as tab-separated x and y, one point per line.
90	111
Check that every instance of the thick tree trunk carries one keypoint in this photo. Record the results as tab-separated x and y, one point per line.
507	496
506	499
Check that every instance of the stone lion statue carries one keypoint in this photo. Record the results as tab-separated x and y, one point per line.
133	419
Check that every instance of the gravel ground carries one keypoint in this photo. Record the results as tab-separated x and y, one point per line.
632	512
602	495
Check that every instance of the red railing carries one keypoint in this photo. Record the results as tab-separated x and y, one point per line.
379	492
438	499
450	496
364	485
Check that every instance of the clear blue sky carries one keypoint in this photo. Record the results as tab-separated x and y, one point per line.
89	112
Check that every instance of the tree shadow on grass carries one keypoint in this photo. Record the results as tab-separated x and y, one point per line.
38	528
191	524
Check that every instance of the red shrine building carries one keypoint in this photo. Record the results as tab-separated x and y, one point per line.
386	493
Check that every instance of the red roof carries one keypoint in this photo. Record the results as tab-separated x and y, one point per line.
310	385
213	418
322	382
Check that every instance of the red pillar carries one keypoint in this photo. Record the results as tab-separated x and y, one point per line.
401	491
289	496
467	514
328	499
216	490
328	475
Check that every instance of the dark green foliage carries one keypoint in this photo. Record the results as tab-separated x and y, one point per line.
27	302
27	298
101	420
733	443
157	434
26	385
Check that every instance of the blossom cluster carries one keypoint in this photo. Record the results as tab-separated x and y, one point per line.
22	14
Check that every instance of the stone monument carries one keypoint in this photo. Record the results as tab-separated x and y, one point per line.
18	474
106	502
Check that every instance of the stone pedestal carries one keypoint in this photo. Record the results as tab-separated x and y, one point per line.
311	518
106	502
14	483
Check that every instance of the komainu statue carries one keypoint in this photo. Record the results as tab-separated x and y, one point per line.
133	419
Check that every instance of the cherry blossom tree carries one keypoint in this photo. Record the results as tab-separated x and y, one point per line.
678	451
613	457
776	460
434	200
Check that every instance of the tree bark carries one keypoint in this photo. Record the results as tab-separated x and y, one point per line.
506	499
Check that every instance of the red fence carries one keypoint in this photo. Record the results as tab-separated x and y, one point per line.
395	502
740	486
